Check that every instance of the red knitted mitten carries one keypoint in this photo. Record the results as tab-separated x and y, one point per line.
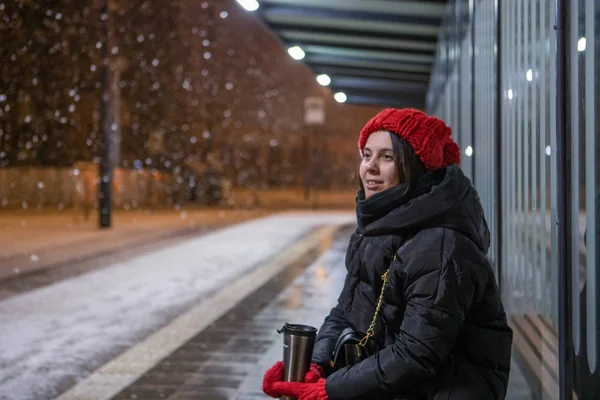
302	391
314	374
273	375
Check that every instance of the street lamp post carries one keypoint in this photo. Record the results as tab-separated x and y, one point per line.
109	114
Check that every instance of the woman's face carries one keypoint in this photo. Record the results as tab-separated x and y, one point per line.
378	168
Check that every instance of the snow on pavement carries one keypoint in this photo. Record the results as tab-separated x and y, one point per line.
56	335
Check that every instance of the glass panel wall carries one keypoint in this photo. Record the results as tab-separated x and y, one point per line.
450	93
505	76
527	136
583	183
464	133
495	82
483	147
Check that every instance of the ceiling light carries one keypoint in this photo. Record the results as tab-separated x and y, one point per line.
296	52
324	79
340	97
250	5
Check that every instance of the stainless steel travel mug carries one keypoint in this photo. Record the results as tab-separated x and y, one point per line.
298	344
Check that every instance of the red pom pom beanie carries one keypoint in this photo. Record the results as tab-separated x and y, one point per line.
428	136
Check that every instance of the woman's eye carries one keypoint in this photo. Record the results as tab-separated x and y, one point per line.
367	156
388	157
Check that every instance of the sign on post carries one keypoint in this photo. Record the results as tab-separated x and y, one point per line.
314	111
156	142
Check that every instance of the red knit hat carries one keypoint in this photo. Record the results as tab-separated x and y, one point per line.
428	136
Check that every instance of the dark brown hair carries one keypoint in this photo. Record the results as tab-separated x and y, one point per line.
409	166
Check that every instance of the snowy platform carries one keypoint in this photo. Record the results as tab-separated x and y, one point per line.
59	335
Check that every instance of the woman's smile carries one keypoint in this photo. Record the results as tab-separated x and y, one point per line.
373	185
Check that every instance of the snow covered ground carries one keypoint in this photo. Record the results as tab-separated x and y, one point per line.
54	336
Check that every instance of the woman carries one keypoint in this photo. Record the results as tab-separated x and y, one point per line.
441	331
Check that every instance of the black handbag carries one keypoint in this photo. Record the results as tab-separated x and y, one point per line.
347	350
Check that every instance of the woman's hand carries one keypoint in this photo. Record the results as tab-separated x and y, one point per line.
314	374
302	391
272	376
275	375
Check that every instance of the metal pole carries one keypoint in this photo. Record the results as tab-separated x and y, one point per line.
210	106
565	342
109	111
498	142
472	159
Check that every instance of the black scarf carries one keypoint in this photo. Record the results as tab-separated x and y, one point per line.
380	204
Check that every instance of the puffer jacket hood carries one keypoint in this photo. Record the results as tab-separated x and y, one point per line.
443	198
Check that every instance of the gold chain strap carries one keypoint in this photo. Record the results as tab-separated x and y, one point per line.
371	330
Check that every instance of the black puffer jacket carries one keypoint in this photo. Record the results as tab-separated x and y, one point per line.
442	332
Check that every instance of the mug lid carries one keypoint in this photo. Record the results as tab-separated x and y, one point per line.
298	330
